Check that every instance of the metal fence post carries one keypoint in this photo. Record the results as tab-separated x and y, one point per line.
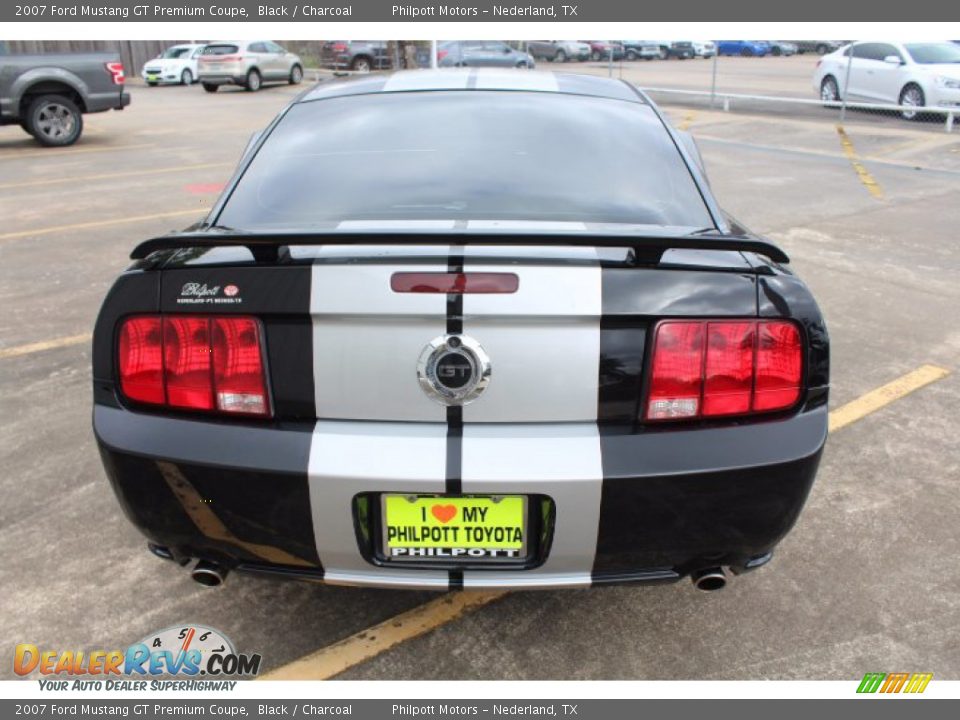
949	122
713	80
846	86
433	54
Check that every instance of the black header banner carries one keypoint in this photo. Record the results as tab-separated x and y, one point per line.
476	11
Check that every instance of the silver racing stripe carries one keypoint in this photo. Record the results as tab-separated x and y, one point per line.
561	461
366	342
534	430
543	341
347	458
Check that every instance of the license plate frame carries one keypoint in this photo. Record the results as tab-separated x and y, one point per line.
435	556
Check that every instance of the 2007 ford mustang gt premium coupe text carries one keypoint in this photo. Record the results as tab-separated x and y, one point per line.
465	328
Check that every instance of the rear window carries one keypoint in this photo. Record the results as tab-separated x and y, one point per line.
470	155
220	49
175	52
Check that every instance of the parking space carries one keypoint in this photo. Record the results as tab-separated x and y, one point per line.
866	581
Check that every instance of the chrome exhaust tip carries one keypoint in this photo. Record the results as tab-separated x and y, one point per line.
208	574
709	579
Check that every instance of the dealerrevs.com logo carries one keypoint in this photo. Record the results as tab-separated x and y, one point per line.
186	651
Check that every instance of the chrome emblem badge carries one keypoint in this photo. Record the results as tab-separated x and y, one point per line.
453	369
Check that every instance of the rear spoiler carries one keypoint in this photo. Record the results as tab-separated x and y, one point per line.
650	248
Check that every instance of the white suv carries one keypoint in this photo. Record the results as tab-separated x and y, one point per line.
923	74
248	64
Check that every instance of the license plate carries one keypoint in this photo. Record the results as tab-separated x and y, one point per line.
464	529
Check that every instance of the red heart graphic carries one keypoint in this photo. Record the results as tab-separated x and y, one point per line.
444	513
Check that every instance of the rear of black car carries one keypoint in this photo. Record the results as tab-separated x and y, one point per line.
264	393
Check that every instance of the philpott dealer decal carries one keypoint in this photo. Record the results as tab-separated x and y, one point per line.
187	652
193	293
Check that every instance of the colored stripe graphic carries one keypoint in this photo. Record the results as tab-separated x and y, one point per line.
894	682
871	682
918	682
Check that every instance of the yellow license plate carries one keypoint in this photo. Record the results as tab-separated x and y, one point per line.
418	527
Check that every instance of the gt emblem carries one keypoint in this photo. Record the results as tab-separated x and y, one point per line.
453	369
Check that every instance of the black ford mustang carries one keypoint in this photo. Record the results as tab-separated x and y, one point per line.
463	329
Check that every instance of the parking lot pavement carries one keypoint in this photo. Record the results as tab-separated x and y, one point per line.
866	581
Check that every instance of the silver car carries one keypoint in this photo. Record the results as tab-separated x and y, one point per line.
248	64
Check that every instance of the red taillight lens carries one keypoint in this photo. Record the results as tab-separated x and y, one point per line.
186	362
728	374
141	360
778	366
677	380
339	47
238	366
116	72
719	368
195	363
441	54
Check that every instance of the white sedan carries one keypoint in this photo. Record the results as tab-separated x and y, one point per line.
176	64
924	74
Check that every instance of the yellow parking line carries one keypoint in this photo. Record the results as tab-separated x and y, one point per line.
685	123
70	151
868	181
111	176
44	345
367	644
884	395
355	649
197	211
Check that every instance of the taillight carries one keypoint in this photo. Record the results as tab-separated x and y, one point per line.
194	363
141	359
441	54
238	379
339	47
715	368
116	72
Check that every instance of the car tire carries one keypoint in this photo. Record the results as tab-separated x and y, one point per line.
912	94
296	75
631	55
361	64
522	65
253	81
54	121
595	56
186	77
746	52
664	53
210	87
823	49
561	56
829	90
776	52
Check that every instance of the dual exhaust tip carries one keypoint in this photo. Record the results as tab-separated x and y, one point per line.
709	579
208	574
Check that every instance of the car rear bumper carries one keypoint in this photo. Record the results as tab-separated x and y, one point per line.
222	79
282	500
101	102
